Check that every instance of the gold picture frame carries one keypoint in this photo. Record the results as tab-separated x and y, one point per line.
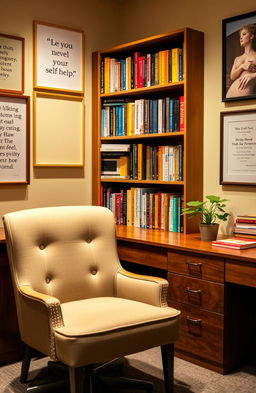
12	64
58	130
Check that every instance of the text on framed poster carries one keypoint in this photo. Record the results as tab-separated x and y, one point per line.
11	64
238	147
58	58
14	139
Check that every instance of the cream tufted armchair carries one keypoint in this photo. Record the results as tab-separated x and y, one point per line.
74	301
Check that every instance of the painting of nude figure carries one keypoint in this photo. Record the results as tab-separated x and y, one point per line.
239	57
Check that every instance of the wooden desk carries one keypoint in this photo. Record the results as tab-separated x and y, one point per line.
10	343
213	287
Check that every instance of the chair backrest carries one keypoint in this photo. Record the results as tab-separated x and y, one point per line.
68	252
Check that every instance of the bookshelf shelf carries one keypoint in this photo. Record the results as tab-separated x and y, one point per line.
143	90
143	136
156	182
117	84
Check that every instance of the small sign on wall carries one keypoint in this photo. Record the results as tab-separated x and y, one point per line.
58	58
14	139
11	64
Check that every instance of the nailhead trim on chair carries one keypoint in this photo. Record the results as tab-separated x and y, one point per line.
56	321
164	293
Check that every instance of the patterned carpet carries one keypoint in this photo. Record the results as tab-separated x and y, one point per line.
189	378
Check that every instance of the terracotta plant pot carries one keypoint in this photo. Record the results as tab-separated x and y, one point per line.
208	232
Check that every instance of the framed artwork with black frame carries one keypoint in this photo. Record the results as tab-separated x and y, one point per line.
239	57
238	147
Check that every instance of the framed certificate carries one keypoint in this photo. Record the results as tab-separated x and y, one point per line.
238	147
58	58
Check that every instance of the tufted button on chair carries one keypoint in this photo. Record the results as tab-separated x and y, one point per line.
74	301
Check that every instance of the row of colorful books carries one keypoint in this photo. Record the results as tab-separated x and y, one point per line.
142	116
142	70
144	162
144	208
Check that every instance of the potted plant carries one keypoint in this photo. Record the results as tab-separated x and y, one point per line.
211	210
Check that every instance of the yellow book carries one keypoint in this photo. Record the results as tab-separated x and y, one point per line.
160	162
128	73
175	64
140	163
163	67
106	74
124	166
129	119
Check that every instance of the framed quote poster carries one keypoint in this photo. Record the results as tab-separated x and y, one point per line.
58	58
238	147
14	139
58	130
11	64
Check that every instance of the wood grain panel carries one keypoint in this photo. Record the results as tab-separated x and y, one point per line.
145	255
200	293
240	273
194	265
10	342
201	333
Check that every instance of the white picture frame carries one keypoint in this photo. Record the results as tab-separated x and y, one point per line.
58	58
238	147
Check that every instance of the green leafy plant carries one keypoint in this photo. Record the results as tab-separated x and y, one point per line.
211	210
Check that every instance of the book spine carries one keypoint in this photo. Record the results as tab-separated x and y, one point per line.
182	113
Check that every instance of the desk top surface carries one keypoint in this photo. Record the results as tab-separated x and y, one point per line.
176	241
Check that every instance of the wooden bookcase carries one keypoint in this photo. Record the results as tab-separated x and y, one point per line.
191	87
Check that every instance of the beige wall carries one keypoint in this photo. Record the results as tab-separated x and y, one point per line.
58	186
103	26
148	17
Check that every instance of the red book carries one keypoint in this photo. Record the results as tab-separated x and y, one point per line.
236	243
141	71
181	113
135	69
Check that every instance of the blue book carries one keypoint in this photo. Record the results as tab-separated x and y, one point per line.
155	117
171	114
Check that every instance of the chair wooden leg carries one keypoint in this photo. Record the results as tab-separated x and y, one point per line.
25	364
76	380
168	364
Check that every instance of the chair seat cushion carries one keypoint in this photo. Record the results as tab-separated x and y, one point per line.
105	314
100	329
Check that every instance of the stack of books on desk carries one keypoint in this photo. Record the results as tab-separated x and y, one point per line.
235	243
245	227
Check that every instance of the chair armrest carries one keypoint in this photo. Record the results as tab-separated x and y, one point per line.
47	311
146	289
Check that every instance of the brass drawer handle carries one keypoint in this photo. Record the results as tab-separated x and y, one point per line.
194	264
194	321
198	291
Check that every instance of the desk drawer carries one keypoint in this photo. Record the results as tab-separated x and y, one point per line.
145	255
204	294
194	265
201	333
241	273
